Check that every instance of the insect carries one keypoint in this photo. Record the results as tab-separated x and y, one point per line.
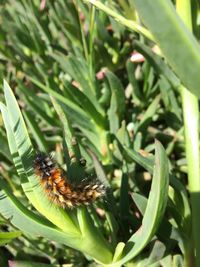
59	190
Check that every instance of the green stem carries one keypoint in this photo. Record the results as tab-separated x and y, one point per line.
191	119
91	42
84	43
130	24
93	242
191	127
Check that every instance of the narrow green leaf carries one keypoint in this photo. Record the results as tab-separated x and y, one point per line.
6	237
74	169
118	251
148	115
140	201
177	261
136	93
13	150
111	209
182	208
124	205
4	147
145	162
117	104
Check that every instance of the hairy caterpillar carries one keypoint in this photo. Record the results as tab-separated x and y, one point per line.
59	190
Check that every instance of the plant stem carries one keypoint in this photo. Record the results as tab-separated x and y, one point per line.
130	24
84	43
91	40
191	127
93	242
191	121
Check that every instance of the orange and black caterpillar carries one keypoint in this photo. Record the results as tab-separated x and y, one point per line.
59	190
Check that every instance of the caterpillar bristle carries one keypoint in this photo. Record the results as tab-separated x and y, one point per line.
59	190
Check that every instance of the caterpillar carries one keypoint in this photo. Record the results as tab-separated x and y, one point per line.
59	190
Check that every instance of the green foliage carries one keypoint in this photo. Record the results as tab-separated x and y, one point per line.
7	237
75	90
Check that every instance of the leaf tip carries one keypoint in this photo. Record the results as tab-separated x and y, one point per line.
5	83
6	86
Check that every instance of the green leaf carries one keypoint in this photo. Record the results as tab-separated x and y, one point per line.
74	169
155	208
117	104
181	209
110	204
157	251
145	162
6	237
13	148
148	115
177	43
170	101
118	251
140	201
124	205
136	93
4	147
